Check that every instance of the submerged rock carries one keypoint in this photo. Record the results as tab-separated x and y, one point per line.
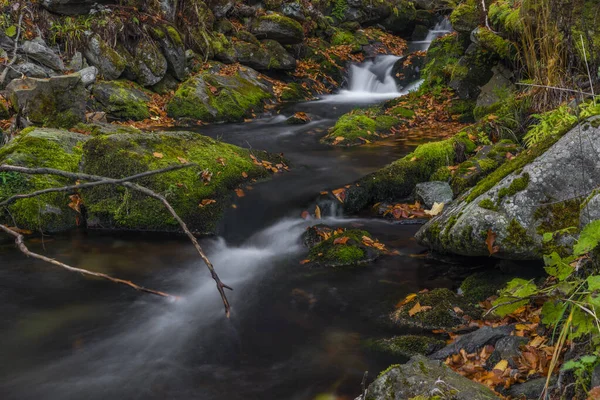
56	102
423	378
511	201
210	96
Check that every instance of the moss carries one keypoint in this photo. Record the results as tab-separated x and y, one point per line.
442	57
465	17
293	92
518	237
558	216
441	314
406	345
356	40
402	112
442	174
482	285
209	97
121	100
488	204
495	43
122	155
41	148
353	252
384	123
388	369
351	127
516	186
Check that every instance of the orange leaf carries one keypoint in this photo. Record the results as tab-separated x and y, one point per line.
240	192
406	300
341	240
244	174
317	212
305	215
206	202
489	241
304	261
417	308
158	155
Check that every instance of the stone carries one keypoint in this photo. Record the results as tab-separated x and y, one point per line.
429	193
408	69
109	62
293	10
420	33
55	102
212	97
530	390
475	71
149	63
402	17
512	204
277	27
472	342
590	210
88	75
30	70
270	55
500	81
173	50
298	118
43	55
76	62
120	101
73	7
507	348
405	345
424	378
220	8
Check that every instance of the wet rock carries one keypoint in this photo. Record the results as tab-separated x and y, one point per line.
443	309
420	377
512	204
429	193
420	33
173	49
109	62
149	64
269	55
38	51
530	390
211	97
472	342
293	10
220	8
507	348
299	118
50	148
279	28
55	102
88	75
120	100
405	345
402	17
474	71
343	248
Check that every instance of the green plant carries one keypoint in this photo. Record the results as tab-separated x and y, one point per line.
551	124
339	9
582	369
70	32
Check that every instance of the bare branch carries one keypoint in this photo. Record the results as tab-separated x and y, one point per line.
105	181
20	242
14	56
123	182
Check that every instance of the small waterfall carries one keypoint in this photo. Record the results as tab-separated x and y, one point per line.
440	29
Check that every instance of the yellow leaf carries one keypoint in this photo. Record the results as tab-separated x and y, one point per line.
435	209
417	308
501	366
317	212
182	160
158	155
406	300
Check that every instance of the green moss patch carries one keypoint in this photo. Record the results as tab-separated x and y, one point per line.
405	346
342	249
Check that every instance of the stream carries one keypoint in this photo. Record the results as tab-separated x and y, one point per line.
295	332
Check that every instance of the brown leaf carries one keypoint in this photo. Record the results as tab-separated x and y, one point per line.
341	240
244	174
221	161
304	261
339	194
206	202
305	215
239	192
182	160
490	240
158	155
317	212
417	308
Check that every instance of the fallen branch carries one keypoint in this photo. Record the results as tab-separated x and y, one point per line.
14	56
101	180
20	242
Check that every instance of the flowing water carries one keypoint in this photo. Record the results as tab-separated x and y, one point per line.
295	332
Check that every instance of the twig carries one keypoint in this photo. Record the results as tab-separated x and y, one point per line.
20	242
364	385
79	176
106	181
555	88
587	66
14	57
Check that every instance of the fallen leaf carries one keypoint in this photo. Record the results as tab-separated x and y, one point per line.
304	261
244	175
317	212
501	366
305	215
417	308
158	155
341	240
339	194
206	202
240	192
489	241
221	161
406	300
435	209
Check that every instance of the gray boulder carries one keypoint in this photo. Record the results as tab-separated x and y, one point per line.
30	70
426	378
220	8
540	197
429	193
270	55
56	102
277	27
76	62
471	342
507	348
149	64
39	52
109	62
293	10
501	80
172	47
88	75
590	210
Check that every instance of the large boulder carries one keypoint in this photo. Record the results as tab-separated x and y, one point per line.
55	102
40	148
73	7
216	96
424	379
30	70
278	27
109	62
121	155
473	71
149	65
407	70
173	49
220	8
533	194
120	100
402	17
268	55
38	51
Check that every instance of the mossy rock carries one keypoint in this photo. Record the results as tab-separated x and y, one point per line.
121	155
267	55
121	100
405	346
212	97
465	17
441	315
149	65
398	180
355	39
495	43
294	92
277	27
441	61
349	250
482	285
360	127
40	148
402	17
